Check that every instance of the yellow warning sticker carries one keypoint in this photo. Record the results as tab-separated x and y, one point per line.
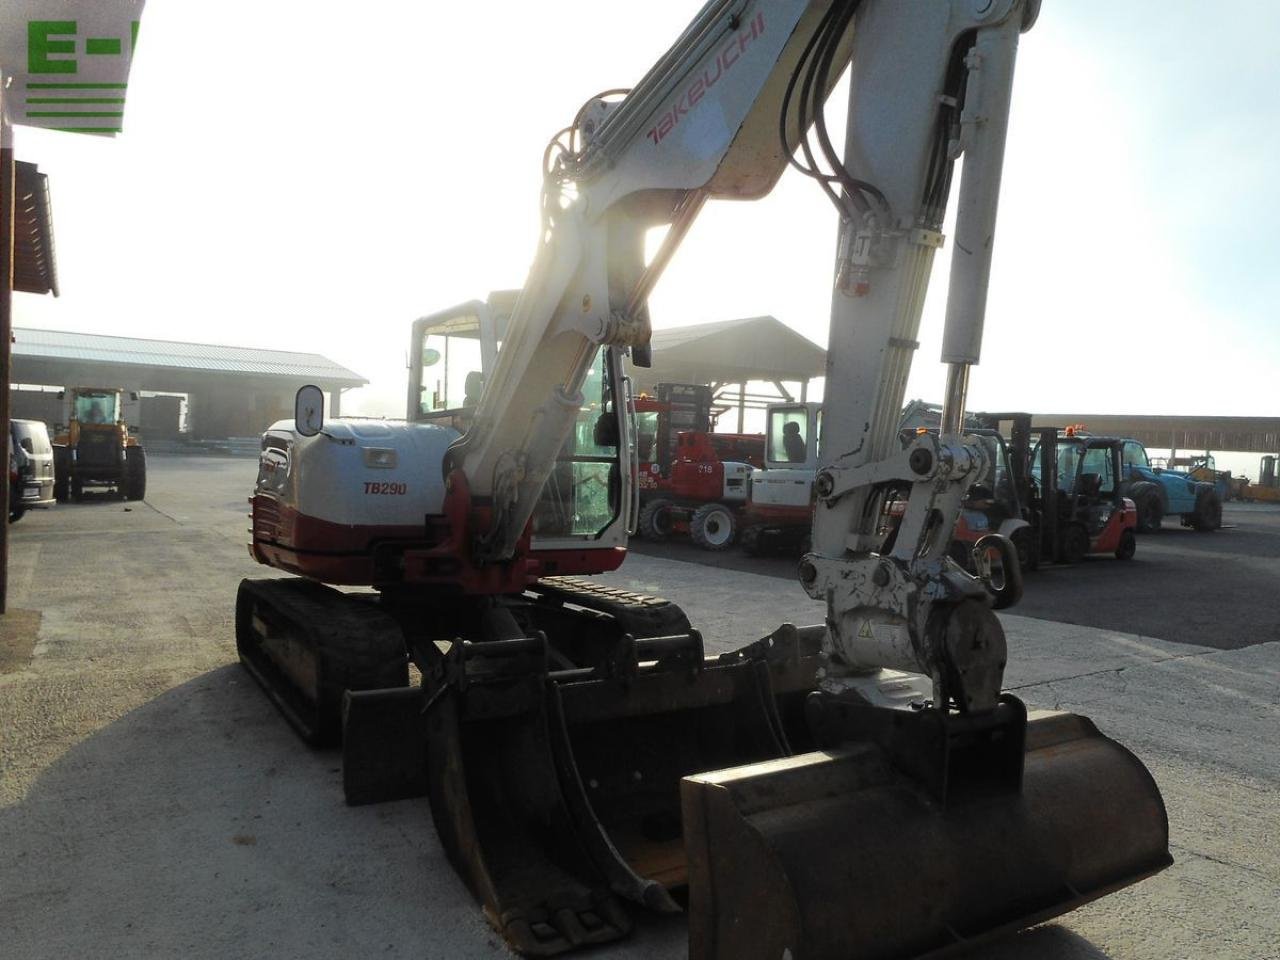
864	631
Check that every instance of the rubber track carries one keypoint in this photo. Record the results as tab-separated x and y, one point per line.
360	648
638	614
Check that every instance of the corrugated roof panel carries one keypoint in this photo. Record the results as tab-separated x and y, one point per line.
731	351
174	354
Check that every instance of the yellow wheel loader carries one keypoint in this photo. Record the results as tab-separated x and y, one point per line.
94	448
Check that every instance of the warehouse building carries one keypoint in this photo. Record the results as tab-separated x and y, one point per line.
197	390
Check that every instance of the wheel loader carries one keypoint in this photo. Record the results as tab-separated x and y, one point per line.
860	788
94	448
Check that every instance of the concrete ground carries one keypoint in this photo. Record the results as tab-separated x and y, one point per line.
152	803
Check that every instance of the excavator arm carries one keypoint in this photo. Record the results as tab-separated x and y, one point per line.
719	116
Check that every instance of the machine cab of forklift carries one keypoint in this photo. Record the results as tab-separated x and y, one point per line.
1088	468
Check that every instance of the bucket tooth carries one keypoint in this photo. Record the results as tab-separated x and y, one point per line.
843	854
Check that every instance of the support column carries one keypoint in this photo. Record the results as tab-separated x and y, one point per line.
7	207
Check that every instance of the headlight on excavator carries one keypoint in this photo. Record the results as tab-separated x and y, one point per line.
383	458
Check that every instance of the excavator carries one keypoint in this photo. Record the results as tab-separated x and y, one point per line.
860	788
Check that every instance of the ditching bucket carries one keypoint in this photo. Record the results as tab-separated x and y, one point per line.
843	855
556	793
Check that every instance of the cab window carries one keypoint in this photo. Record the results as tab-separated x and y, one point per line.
1134	455
33	438
583	495
1098	461
789	435
452	376
647	436
95	407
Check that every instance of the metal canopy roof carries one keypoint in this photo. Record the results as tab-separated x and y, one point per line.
34	266
732	351
59	345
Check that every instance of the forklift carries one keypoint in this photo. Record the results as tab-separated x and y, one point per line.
1063	486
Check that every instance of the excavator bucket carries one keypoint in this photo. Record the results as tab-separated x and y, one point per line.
848	854
556	793
554	770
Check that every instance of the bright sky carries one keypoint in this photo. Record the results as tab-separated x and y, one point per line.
315	175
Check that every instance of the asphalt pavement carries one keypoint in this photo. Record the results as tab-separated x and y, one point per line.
1219	589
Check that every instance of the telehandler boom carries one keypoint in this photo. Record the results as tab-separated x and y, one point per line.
863	788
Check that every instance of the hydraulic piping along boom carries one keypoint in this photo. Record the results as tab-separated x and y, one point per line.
890	604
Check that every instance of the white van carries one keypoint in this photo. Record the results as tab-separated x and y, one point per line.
30	467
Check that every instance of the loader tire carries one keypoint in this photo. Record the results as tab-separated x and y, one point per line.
1024	541
712	527
1150	509
655	520
61	474
1075	543
1208	512
135	473
1128	546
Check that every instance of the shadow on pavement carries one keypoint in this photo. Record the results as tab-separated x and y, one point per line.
197	825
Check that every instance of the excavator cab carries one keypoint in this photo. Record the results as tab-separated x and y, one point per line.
451	355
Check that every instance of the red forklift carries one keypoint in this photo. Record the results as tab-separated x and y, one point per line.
1076	492
692	481
1054	492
